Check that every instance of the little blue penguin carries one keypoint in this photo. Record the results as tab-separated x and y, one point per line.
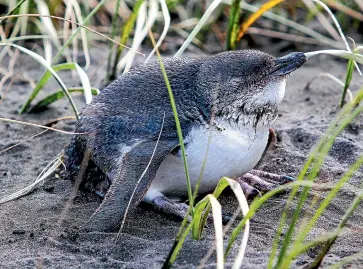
226	102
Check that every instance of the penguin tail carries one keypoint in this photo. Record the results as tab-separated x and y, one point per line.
73	156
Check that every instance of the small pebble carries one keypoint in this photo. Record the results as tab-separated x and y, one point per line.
19	231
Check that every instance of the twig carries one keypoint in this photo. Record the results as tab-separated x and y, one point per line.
40	126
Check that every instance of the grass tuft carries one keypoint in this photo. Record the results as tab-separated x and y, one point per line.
136	24
255	16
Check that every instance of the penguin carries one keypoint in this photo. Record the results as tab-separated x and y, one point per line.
226	102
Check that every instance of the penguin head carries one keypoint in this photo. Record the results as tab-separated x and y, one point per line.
249	81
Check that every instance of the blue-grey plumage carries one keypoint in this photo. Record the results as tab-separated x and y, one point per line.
232	96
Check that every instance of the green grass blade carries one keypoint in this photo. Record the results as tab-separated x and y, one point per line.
126	31
166	15
78	13
337	25
182	148
218	228
292	226
176	248
177	123
113	34
233	24
217	220
200	221
47	75
306	229
348	108
25	37
277	239
196	187
348	79
75	33
60	52
57	96
43	62
199	26
317	157
312	175
346	260
85	83
255	205
183	233
24	9
209	200
308	245
40	84
243	204
341	53
343	222
47	25
12	11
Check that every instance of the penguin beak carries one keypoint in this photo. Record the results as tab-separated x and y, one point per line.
287	64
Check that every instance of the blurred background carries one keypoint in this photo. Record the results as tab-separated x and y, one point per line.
273	26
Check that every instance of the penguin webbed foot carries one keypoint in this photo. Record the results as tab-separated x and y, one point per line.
180	210
256	182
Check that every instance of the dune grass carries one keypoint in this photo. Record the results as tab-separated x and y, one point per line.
281	256
233	22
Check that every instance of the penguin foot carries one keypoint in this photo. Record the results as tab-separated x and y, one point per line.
256	182
166	205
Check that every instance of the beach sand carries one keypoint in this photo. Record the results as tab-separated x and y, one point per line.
37	229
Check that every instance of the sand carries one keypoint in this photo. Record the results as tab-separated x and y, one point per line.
36	230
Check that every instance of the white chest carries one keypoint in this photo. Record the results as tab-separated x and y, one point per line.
233	151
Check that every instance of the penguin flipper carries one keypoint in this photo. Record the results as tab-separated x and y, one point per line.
135	171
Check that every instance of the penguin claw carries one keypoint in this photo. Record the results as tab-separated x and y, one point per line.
100	194
256	182
226	218
288	179
271	177
165	205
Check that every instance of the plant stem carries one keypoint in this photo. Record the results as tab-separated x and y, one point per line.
2	22
348	79
330	242
233	25
126	30
113	33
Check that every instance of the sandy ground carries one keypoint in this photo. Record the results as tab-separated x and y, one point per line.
35	230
